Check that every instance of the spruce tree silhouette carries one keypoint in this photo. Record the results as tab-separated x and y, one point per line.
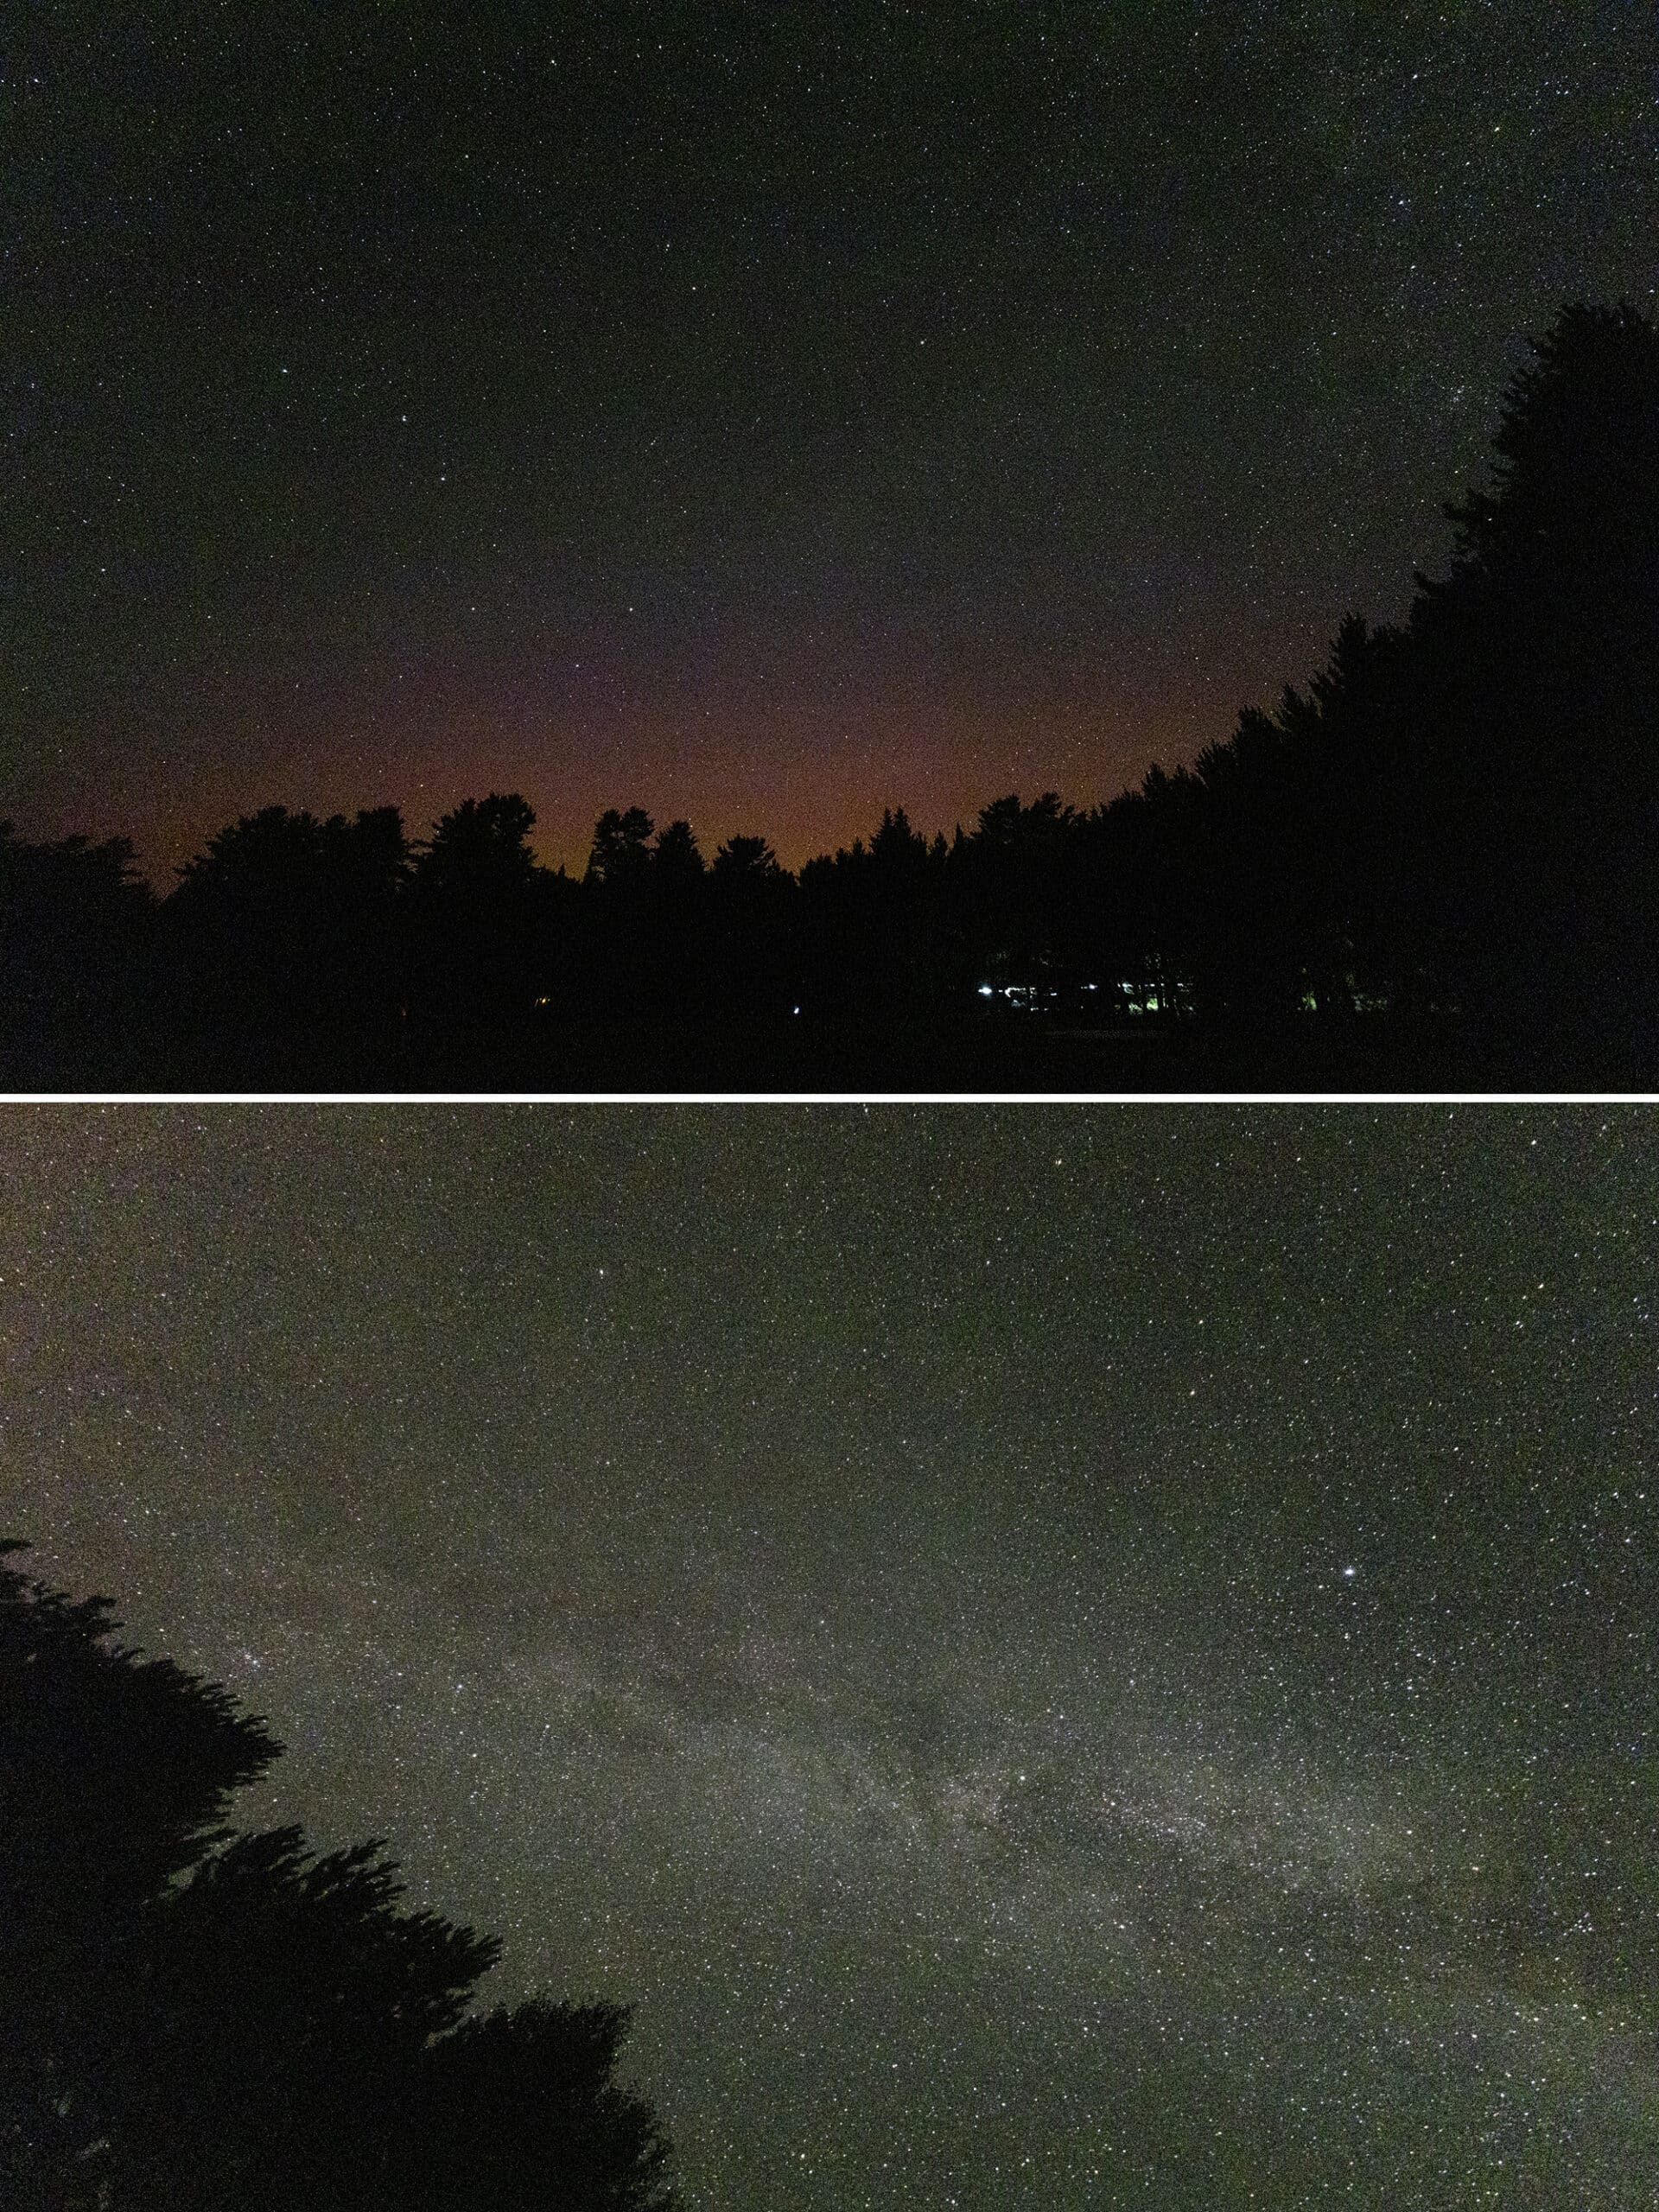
621	848
752	957
674	978
513	2097
619	909
483	923
872	923
284	930
196	2021
75	931
1010	870
116	1774
676	858
1462	815
1536	680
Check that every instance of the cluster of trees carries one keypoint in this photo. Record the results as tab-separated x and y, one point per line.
191	2019
1456	821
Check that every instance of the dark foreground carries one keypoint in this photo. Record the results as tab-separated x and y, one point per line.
1021	1054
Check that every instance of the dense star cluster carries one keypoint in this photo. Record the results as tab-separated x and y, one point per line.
759	414
1067	1656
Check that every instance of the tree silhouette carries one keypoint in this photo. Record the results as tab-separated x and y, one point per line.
1536	683
743	861
677	859
873	924
675	965
1009	892
622	936
1462	815
752	941
484	922
621	848
285	928
646	956
287	2003
517	2094
1450	835
190	2019
481	852
74	936
116	1775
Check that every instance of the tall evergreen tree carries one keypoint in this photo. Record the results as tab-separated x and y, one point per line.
191	2019
483	921
1535	681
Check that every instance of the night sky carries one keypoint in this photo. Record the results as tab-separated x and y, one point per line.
762	413
1060	1658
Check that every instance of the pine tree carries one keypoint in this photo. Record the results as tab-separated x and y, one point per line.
191	2019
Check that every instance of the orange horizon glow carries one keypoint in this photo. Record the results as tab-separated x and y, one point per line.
807	781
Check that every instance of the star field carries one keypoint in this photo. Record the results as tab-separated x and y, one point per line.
1071	1657
762	413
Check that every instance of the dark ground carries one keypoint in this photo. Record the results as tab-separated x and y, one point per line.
1020	1054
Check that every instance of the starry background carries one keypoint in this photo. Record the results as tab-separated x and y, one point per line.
761	413
1060	1656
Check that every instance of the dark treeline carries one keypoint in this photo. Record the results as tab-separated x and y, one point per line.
191	2019
1445	846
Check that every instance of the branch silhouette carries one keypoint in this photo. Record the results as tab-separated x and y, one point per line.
191	2019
